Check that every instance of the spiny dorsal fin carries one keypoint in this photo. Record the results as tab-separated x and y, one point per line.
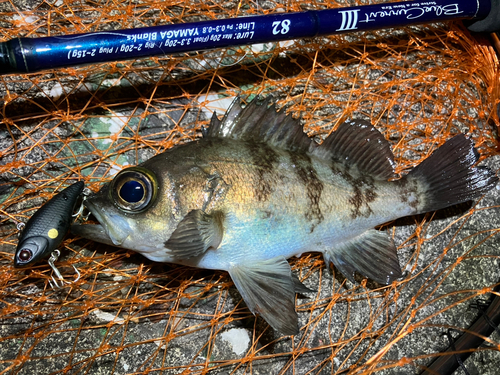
260	123
358	143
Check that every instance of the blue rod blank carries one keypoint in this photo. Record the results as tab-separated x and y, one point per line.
23	55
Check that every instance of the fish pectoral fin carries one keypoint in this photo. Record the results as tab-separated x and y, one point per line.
268	288
196	233
372	253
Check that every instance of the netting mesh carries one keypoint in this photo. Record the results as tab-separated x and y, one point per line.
418	85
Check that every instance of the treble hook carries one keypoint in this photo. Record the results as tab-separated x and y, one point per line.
53	257
86	192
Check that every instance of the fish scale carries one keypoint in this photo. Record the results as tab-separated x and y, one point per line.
255	190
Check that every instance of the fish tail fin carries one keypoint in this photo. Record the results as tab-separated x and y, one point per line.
448	177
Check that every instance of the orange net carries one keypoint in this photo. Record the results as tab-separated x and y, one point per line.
418	85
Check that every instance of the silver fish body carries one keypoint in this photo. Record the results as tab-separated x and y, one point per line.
292	205
256	191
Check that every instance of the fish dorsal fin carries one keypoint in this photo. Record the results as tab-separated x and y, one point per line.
357	142
259	123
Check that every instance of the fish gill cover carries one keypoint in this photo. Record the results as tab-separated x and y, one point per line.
419	86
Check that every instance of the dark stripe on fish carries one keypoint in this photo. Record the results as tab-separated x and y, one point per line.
363	187
360	198
314	187
265	158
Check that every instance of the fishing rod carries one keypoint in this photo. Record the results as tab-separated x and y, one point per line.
472	338
26	55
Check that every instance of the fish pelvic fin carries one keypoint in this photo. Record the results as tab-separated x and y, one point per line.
299	287
268	288
372	253
195	234
448	177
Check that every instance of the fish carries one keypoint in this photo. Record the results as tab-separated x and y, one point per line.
255	190
45	230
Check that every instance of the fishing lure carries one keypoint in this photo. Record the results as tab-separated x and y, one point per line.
45	230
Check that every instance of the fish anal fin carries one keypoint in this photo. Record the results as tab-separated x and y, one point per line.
196	233
372	254
268	289
358	143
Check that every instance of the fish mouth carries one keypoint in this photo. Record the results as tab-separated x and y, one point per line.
112	228
94	232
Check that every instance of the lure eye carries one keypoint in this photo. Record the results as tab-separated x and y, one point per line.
25	255
30	250
133	189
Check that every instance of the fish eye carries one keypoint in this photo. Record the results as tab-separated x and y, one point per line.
133	189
